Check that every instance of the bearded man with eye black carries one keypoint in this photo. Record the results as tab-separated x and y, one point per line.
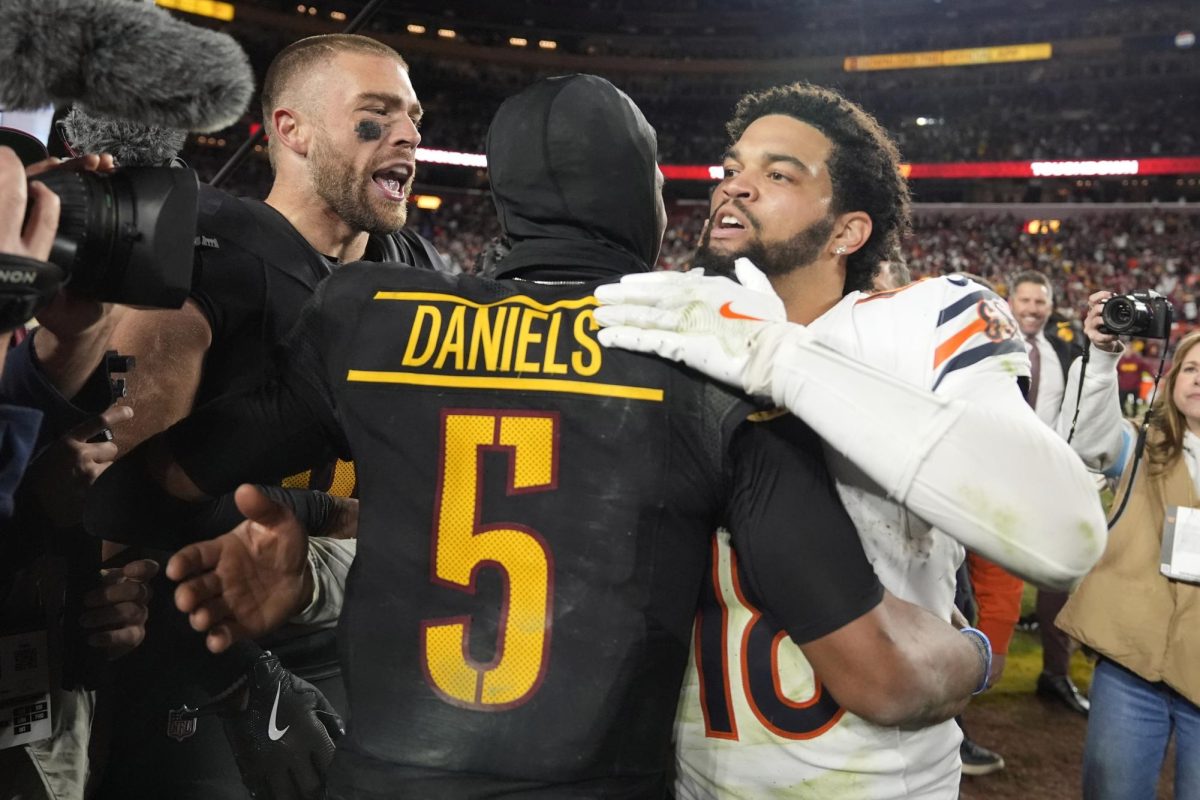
342	118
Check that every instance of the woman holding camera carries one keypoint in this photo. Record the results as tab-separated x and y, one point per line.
1143	625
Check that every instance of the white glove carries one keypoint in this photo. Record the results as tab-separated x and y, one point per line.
707	322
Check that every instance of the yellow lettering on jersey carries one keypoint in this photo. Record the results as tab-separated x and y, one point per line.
767	415
585	328
434	315
455	341
510	337
300	480
460	548
527	338
452	340
549	365
341	484
486	336
344	479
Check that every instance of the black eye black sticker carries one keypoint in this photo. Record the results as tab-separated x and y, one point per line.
369	131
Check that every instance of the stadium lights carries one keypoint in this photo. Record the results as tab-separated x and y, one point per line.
427	156
944	171
340	16
1058	169
971	56
517	41
1042	227
417	29
202	8
446	33
547	44
428	202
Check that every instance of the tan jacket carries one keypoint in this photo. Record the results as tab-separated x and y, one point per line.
1125	609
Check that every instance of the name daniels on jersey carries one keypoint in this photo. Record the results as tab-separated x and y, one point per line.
505	338
514	344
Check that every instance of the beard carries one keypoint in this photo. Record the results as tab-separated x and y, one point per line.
336	181
772	258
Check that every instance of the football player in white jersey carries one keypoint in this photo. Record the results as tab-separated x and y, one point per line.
914	392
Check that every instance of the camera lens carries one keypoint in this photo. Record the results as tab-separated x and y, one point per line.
126	237
85	229
1126	316
1118	313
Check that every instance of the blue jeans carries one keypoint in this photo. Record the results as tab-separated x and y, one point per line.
1129	726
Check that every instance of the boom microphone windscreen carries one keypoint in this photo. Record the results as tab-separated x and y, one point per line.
121	60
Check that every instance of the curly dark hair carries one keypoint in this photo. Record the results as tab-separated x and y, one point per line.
864	165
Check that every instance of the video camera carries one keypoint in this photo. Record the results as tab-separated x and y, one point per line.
1144	314
126	237
142	77
122	238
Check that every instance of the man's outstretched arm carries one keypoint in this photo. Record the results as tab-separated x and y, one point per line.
247	582
1029	505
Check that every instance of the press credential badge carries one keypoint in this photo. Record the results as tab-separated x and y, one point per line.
1181	544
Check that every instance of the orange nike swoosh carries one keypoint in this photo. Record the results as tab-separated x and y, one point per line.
728	313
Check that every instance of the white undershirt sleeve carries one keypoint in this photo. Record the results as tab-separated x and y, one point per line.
329	562
1101	438
981	467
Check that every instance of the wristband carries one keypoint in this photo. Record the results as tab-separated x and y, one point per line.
984	646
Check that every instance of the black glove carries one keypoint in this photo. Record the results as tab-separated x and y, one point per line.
281	729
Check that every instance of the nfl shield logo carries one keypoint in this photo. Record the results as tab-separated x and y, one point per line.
180	723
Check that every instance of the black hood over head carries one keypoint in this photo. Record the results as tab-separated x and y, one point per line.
573	165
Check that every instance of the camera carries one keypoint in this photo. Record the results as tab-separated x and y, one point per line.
126	237
1146	314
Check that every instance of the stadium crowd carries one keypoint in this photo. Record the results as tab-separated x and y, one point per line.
1118	251
759	30
1105	105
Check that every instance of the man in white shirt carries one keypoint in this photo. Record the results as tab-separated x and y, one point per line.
928	437
1032	301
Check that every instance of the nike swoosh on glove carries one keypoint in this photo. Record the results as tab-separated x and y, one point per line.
709	323
283	740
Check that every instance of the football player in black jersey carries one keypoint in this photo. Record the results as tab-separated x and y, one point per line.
343	118
537	512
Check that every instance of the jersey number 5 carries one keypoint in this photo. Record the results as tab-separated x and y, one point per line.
462	545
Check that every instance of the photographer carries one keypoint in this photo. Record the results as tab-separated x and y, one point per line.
20	239
45	423
53	364
1144	626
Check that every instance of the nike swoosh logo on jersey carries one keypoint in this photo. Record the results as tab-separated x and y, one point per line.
727	312
272	730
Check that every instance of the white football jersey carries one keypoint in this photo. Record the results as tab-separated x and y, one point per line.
753	722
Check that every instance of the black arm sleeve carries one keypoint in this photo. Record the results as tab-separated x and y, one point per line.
127	505
282	427
229	289
796	545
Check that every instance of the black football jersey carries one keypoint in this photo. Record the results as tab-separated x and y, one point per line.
535	521
253	274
